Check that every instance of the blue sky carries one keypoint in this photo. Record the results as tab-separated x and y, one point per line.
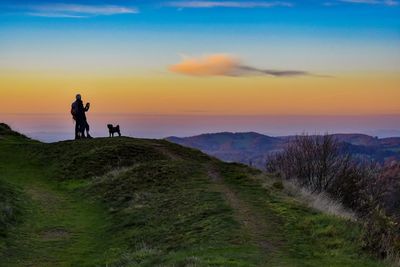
151	57
364	15
156	33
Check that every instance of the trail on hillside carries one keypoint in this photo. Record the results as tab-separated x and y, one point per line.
166	152
58	228
251	221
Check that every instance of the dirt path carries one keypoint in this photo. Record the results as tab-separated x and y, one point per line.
166	152
252	222
55	227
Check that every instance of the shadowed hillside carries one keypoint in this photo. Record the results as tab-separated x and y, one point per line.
142	202
254	149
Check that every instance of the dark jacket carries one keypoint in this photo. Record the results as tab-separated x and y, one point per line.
78	110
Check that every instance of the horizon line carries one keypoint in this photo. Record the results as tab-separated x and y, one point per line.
205	114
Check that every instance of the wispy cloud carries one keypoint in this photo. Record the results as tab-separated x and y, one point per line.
372	2
226	65
329	4
53	15
77	11
228	4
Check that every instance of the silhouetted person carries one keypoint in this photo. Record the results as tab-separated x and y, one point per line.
78	113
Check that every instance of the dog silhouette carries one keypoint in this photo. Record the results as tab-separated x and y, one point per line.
113	129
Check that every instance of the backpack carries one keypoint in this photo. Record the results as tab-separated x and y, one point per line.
74	110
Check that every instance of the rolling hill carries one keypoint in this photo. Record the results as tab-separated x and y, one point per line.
143	202
254	148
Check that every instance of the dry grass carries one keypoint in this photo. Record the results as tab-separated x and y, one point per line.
114	173
393	260
321	202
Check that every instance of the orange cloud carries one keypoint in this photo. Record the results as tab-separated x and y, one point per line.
218	64
226	65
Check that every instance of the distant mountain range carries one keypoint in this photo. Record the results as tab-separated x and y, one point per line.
254	148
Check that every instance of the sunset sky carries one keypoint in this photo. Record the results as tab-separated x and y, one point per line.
202	58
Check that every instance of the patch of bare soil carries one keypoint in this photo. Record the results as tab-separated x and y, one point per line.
54	234
163	150
252	222
45	199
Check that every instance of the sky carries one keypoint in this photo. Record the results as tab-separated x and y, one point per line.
203	59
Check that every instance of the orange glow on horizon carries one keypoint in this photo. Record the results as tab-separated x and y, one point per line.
345	94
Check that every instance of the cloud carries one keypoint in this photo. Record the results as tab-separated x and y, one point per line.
78	11
372	2
206	66
227	4
329	4
391	3
53	15
226	65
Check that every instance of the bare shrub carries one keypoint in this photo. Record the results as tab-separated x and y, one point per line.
390	176
317	164
381	234
314	162
364	189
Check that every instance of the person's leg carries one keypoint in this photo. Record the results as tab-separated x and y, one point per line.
82	128
76	130
87	127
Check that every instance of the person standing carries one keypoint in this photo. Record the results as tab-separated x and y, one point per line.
78	111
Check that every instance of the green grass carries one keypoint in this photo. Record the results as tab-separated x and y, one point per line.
173	212
10	211
142	202
308	237
53	223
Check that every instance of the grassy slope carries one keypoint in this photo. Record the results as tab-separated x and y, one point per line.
9	210
54	228
10	196
130	202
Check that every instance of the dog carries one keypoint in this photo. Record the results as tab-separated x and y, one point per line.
112	130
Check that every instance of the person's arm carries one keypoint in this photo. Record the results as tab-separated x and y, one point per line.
87	107
73	110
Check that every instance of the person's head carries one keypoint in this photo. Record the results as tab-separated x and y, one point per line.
78	97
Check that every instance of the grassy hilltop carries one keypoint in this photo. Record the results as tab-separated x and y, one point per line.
141	202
